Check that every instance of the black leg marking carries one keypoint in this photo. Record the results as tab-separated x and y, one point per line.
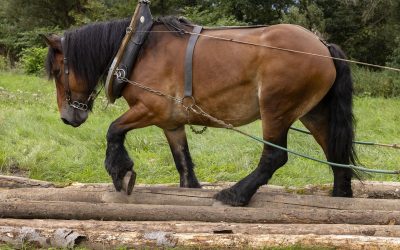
181	154
185	167
241	193
342	182
117	162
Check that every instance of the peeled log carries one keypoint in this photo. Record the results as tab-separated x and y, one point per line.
136	212
100	235
195	197
208	227
367	189
21	182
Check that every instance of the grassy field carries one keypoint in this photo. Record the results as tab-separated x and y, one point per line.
35	143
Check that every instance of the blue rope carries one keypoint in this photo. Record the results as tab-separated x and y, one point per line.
360	168
367	143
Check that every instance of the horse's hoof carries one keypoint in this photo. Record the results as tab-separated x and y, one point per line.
191	184
230	197
129	182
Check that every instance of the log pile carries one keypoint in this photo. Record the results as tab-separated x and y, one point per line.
95	216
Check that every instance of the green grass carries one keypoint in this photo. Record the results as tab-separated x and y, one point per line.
34	142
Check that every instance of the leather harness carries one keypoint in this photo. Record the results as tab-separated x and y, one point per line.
122	66
189	61
133	41
83	106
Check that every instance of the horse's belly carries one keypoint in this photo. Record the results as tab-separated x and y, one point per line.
236	107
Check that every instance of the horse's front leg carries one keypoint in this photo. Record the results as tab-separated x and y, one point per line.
183	161
118	163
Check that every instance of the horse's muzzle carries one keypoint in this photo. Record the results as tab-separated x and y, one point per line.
73	124
74	118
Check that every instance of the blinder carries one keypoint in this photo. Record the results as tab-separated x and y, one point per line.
74	104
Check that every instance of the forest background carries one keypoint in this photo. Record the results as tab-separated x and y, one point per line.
368	30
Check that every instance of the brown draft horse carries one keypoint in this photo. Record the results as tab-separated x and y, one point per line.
236	83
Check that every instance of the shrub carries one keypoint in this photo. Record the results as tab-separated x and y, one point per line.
3	63
394	59
209	17
376	83
32	60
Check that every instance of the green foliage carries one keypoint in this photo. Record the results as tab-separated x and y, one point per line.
376	83
95	10
209	17
308	15
394	59
3	63
32	60
365	29
253	11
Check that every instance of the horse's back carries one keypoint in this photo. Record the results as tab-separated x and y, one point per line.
254	64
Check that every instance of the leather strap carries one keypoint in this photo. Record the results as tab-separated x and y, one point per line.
64	49
124	61
189	61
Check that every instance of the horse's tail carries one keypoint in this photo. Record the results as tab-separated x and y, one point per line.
340	103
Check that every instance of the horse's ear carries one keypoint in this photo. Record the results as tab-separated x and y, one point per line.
53	41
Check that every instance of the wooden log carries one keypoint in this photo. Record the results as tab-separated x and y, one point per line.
131	212
21	182
367	189
377	189
96	234
208	227
195	197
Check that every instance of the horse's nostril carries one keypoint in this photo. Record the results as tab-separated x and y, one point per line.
66	121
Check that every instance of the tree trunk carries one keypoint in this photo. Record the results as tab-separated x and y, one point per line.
138	212
20	182
194	197
100	234
367	189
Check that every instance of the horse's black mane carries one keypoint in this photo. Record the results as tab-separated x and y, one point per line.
174	23
91	48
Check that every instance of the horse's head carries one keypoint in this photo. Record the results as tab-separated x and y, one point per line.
74	97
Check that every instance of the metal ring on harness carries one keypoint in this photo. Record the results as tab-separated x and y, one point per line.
120	73
79	105
190	103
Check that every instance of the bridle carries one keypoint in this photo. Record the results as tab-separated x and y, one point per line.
74	104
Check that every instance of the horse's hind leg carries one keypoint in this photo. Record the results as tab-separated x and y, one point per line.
183	161
317	122
274	130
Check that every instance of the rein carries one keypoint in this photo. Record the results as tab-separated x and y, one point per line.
74	104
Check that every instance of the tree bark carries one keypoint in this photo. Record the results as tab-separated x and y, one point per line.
100	234
208	227
194	197
21	182
367	189
137	212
